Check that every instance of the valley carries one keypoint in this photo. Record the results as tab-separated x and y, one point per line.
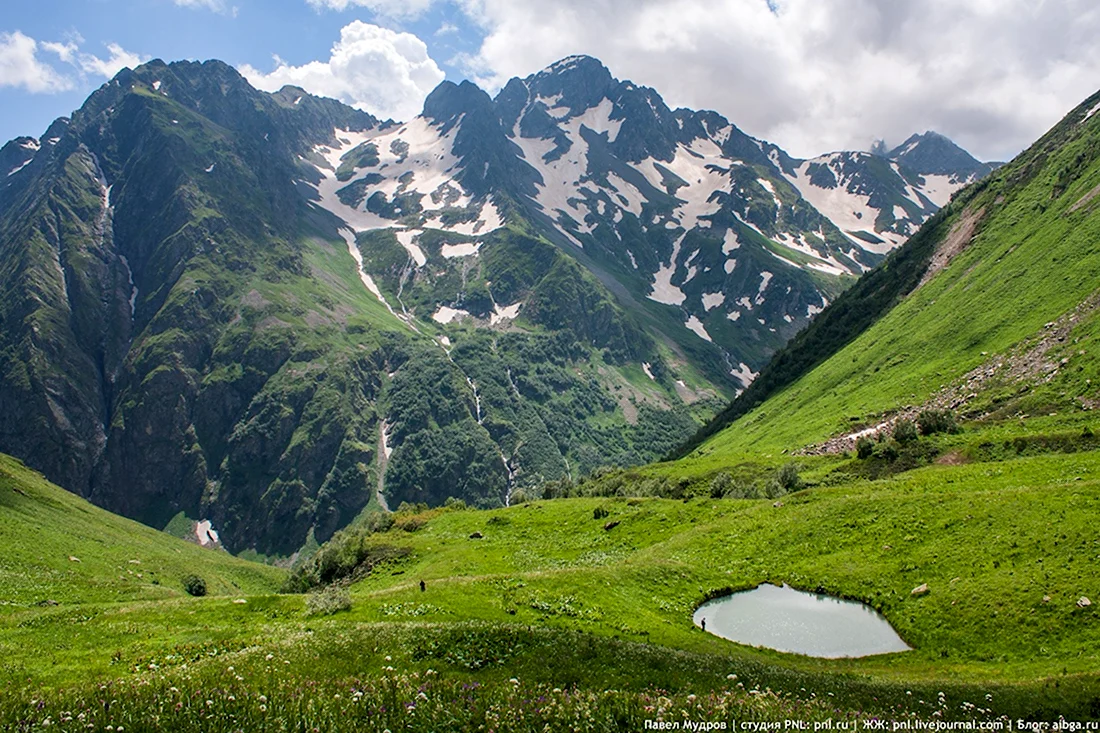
414	404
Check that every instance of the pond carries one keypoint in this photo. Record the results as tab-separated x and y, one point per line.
789	620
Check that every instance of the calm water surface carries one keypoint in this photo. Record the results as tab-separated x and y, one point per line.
789	620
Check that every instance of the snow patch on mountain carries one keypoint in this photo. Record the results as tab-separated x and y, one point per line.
407	238
446	314
697	326
663	289
713	300
466	249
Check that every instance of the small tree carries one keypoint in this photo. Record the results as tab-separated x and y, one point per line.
905	431
865	447
931	422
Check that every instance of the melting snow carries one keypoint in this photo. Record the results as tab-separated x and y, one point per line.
1092	111
939	189
205	533
407	238
504	313
697	326
156	85
663	289
765	278
211	168
446	314
731	242
713	300
729	266
734	316
15	170
467	249
744	374
648	372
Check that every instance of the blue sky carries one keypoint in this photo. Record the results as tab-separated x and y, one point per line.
253	34
809	75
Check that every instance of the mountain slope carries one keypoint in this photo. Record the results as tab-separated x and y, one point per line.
272	312
60	548
989	310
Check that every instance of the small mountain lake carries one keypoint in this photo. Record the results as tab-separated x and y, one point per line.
789	620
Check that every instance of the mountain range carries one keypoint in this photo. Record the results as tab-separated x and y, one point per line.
272	311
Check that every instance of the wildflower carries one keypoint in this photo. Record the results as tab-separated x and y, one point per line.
731	677
263	698
269	657
263	708
514	681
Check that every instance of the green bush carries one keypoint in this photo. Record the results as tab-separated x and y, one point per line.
865	447
788	477
454	504
721	485
519	496
905	431
327	601
931	422
599	513
194	585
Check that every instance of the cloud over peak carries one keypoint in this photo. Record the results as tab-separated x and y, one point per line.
381	71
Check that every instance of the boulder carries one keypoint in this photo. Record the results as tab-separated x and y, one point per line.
920	590
1083	602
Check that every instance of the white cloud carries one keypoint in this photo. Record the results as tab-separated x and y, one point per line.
818	75
20	66
119	59
399	9
378	70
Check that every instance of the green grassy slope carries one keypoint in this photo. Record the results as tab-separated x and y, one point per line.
58	547
1034	259
555	597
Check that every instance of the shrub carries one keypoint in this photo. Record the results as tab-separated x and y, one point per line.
194	585
931	422
865	447
519	496
905	431
721	485
328	601
599	513
788	477
454	504
775	489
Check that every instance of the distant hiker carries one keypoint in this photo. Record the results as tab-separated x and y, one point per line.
702	623
422	586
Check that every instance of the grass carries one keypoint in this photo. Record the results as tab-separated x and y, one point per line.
60	548
551	598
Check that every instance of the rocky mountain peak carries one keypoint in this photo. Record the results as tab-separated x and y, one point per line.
931	153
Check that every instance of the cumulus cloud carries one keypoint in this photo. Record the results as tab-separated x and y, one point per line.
378	70
819	75
119	59
21	67
399	9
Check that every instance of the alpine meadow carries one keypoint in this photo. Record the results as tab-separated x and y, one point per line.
552	407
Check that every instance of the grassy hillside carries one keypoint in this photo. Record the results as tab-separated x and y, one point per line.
592	597
58	547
